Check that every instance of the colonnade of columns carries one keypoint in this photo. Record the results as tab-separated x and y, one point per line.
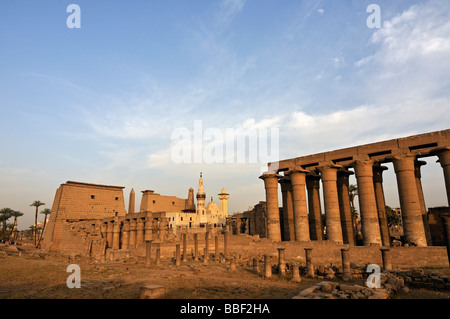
302	209
131	232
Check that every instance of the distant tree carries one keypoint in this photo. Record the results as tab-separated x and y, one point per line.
45	212
36	204
14	214
393	219
5	214
352	193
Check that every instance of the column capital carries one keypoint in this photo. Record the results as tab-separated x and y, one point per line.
313	181
443	153
403	162
417	164
328	171
270	180
364	168
378	172
298	176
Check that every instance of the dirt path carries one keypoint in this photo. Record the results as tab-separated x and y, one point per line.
26	277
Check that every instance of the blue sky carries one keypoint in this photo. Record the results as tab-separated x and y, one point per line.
99	104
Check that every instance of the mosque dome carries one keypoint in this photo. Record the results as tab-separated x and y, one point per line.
212	208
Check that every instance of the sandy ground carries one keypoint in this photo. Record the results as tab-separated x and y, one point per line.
26	277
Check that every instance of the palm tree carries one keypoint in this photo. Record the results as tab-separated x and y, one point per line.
14	214
45	212
36	204
352	193
5	214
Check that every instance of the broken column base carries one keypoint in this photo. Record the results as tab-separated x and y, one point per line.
152	292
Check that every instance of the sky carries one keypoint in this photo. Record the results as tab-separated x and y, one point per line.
103	103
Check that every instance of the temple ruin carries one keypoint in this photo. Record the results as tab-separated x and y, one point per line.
300	179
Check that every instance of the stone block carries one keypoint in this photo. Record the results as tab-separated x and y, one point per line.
151	292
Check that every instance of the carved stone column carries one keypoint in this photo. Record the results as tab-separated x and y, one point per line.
426	225
331	201
140	231
315	210
444	158
301	224
132	241
381	204
125	234
344	207
288	209
409	200
273	216
367	202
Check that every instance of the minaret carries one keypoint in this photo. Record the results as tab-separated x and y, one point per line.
201	197
190	205
131	203
223	196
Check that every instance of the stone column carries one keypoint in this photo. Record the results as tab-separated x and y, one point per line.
195	247
409	200
155	228
445	217
267	266
148	252
444	158
140	231
346	270
177	255
104	230
148	231
281	261
367	202
273	216
255	265
205	254
132	241
315	210
109	234
216	247
426	225
386	255
225	244
381	204
309	264
295	273
184	247
116	235
158	256
288	209
301	224
331	201
238	225
207	242
344	207
162	229
125	234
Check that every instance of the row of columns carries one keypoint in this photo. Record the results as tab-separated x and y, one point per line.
310	273
302	217
130	233
182	256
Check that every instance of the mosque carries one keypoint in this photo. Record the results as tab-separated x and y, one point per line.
194	216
